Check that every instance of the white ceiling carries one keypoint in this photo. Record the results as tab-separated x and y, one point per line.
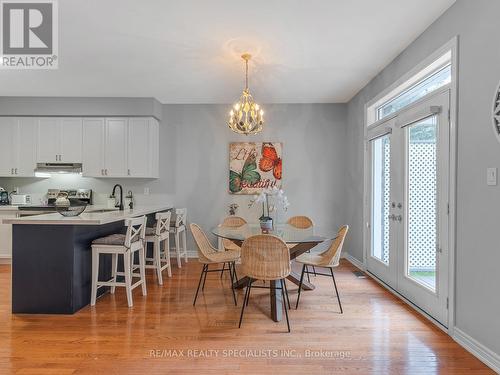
187	51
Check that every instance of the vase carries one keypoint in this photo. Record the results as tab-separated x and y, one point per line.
266	225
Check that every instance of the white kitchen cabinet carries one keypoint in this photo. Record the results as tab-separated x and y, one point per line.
121	147
139	148
17	146
6	234
115	147
48	140
71	140
59	140
26	147
7	147
93	147
154	155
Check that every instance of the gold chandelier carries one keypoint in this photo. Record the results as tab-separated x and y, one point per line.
246	117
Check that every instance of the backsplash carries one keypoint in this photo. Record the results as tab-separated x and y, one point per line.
37	187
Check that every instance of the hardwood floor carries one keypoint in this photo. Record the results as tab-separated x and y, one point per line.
164	334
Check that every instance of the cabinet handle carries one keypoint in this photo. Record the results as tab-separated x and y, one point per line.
102	172
12	171
128	172
106	171
15	170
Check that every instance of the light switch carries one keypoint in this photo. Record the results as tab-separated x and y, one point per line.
491	176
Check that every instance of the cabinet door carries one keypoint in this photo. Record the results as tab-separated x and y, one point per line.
115	148
7	151
138	148
26	145
71	140
154	141
93	147
49	140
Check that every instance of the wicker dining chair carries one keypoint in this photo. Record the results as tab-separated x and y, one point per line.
265	257
328	258
207	255
226	244
301	222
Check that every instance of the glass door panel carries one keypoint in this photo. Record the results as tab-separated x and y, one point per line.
421	167
381	182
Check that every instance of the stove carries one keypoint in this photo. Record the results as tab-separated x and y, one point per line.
74	196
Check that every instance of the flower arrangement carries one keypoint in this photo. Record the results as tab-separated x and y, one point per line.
279	198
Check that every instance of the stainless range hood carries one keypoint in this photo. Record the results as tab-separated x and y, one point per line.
58	168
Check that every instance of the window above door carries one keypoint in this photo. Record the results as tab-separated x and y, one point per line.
435	73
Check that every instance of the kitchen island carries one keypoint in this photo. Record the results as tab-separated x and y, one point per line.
52	259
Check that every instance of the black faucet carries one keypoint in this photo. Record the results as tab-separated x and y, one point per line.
121	195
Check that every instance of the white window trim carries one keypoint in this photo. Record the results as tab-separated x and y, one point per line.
451	45
432	64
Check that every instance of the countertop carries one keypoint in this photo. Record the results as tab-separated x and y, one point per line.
88	217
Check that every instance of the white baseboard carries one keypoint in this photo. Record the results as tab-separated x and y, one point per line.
354	261
481	352
5	259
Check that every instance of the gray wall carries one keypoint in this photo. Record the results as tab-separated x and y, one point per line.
478	208
314	150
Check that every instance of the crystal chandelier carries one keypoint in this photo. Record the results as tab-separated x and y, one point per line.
246	117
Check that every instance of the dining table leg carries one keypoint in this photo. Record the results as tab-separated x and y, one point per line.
276	300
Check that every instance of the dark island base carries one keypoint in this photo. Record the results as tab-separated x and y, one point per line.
52	266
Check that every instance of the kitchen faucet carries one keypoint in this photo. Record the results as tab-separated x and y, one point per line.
121	195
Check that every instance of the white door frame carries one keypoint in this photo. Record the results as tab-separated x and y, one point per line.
452	46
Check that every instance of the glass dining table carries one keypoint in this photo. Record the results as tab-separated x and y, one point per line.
299	241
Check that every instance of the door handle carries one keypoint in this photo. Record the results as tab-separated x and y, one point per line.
398	218
392	217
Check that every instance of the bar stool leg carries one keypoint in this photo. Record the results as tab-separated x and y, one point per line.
184	245
142	270
95	276
177	249
114	269
127	269
157	260
166	254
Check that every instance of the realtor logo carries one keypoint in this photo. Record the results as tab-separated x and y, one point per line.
29	34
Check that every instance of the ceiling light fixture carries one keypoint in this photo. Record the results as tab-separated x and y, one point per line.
246	117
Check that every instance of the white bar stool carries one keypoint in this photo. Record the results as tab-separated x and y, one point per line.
178	229
121	244
158	235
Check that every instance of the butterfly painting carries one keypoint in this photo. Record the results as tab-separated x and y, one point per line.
270	161
254	166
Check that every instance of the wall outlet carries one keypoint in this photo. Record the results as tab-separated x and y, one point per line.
146	191
491	176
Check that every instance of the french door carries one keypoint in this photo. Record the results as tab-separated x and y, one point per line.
407	228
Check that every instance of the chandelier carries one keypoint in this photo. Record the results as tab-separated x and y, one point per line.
246	117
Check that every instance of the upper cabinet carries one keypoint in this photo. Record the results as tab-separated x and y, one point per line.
121	147
143	146
59	140
118	147
93	147
17	146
